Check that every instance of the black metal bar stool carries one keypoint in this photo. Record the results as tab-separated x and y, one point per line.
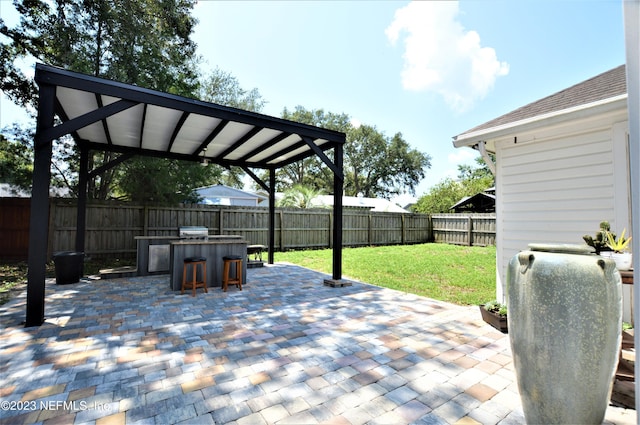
226	271
194	283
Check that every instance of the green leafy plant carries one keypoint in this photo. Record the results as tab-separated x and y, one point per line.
619	244
497	308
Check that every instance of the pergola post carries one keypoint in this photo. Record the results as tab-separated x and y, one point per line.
338	183
272	215
39	221
83	177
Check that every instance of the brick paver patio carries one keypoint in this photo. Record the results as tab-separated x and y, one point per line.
285	350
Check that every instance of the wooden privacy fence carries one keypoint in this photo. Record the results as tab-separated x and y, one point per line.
111	227
464	229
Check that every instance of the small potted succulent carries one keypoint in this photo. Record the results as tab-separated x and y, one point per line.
599	241
619	252
608	245
495	314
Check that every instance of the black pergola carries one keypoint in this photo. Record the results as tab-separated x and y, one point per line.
104	115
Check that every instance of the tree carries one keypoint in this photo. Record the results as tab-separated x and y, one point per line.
158	181
16	163
311	172
142	42
448	192
378	166
467	172
374	164
224	89
299	196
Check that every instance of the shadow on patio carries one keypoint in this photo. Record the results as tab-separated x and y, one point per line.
286	349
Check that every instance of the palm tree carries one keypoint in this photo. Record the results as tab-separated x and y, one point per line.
299	196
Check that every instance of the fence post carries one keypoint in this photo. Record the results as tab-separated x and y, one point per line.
369	230
145	221
329	231
470	231
281	214
52	221
402	237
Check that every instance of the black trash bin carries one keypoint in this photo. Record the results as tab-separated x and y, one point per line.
69	266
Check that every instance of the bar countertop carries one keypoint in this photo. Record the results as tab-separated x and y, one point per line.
176	238
218	239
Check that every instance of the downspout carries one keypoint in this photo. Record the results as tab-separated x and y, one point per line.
487	158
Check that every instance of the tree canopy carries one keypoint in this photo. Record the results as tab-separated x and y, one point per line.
142	42
446	193
374	164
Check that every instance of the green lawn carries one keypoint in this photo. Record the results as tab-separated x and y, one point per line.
457	274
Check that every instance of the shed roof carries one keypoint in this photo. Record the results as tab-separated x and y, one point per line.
480	202
604	86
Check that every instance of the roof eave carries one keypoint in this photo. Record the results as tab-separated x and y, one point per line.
588	109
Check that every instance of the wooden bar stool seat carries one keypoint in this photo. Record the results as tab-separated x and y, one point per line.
228	260
194	262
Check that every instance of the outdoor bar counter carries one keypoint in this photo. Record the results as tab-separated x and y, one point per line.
213	249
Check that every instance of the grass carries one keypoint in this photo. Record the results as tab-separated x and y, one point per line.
457	274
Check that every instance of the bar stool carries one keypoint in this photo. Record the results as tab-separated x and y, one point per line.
226	279
193	283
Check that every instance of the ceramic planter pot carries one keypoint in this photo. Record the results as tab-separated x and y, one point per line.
623	260
565	321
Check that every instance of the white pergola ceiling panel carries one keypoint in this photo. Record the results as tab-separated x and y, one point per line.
124	126
231	133
158	127
119	117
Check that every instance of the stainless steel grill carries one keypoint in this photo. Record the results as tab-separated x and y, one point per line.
193	232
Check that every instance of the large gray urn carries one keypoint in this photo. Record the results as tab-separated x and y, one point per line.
565	321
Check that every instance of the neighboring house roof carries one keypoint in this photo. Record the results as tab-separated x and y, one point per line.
373	204
220	194
605	86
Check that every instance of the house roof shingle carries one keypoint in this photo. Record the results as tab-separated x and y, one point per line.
603	86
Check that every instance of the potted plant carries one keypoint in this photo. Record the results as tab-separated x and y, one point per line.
608	245
618	247
495	314
599	241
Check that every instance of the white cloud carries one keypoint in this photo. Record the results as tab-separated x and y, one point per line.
462	156
440	55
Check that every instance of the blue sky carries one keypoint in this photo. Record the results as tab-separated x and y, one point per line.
429	70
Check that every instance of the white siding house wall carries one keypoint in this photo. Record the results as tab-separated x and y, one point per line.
556	183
